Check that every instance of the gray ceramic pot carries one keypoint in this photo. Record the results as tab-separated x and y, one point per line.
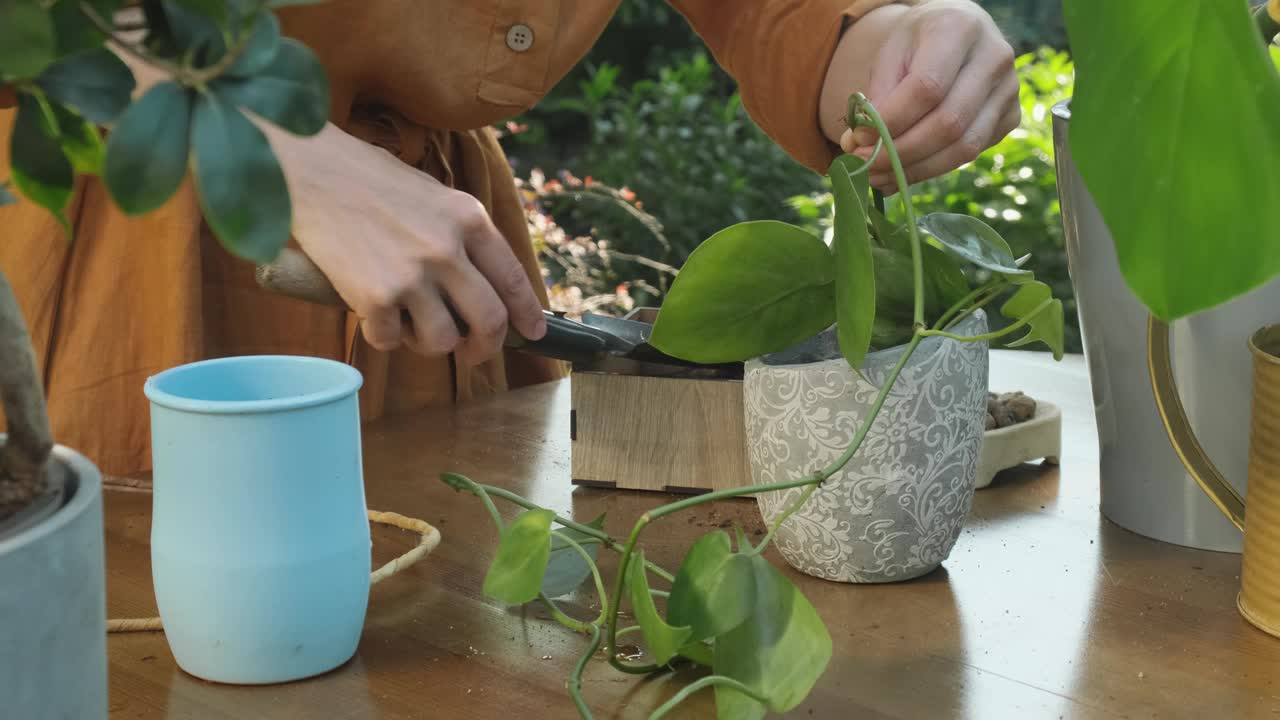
896	509
53	611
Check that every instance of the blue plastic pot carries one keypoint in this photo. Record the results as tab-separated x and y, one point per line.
260	543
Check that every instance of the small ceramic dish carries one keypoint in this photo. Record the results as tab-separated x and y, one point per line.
1008	447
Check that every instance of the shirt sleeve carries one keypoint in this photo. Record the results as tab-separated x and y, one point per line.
778	51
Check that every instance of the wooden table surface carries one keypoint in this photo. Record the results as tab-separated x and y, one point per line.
1044	609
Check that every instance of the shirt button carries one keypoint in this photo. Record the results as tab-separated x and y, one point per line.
520	38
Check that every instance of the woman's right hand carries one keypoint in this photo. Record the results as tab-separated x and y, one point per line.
391	238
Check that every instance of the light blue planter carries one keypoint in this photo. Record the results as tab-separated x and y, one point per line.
260	543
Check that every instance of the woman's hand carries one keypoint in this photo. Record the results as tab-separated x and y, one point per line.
391	238
940	74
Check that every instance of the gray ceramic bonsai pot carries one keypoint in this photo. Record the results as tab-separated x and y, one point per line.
896	509
53	615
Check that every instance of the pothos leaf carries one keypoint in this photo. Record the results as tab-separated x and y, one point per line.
714	590
663	641
975	241
854	267
566	569
1034	301
751	289
515	576
779	652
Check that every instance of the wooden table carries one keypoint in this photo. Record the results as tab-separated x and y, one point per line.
1044	610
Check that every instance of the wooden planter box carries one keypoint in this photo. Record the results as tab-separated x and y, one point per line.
665	434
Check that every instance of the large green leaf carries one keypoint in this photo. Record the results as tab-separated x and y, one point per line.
975	241
292	92
95	83
779	652
515	576
663	641
714	589
753	288
1175	128
80	140
27	41
566	569
241	186
147	150
40	169
947	282
1035	301
855	268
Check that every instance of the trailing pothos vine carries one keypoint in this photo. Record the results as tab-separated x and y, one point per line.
749	290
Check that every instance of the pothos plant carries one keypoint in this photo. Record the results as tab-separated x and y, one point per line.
752	289
76	115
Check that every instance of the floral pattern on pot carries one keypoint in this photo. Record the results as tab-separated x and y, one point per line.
895	511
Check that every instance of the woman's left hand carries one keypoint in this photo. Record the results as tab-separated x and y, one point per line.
942	77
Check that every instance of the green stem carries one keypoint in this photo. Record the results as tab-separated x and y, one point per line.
979	304
480	491
900	176
585	529
631	629
991	335
575	625
705	682
659	593
841	461
799	503
575	680
595	574
960	307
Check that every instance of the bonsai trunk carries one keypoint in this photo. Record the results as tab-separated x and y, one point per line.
24	456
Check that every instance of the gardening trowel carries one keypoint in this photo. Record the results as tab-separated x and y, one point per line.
599	343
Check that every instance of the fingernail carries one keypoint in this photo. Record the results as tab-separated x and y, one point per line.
864	136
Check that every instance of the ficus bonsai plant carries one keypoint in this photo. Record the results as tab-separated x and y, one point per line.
76	116
752	289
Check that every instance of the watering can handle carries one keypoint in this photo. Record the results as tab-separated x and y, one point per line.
1176	424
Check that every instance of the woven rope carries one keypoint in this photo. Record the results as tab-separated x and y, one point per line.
429	538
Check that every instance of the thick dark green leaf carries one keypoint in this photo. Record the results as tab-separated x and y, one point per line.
751	289
779	652
292	92
80	140
40	170
241	186
889	332
1035	300
1188	208
147	150
194	35
855	268
975	241
72	28
887	234
699	652
662	640
714	590
515	577
261	48
215	10
95	83
566	569
6	197
27	41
